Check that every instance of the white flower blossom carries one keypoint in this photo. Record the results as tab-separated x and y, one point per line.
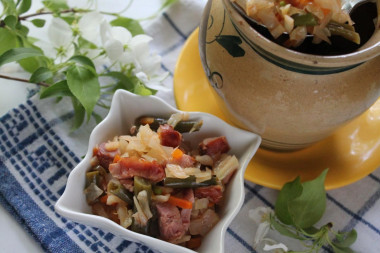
89	26
134	51
261	216
61	39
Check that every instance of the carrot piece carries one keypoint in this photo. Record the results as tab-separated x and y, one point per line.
116	158
326	11
182	203
177	153
95	151
194	242
104	199
211	204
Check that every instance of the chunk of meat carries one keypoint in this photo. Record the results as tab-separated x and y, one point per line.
185	161
214	147
170	222
168	136
202	224
128	167
188	194
127	183
214	193
105	157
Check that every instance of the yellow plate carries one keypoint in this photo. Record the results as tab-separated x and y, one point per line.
351	153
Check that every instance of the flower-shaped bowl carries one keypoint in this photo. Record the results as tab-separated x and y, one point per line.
125	108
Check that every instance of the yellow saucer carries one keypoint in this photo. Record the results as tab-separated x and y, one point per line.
351	153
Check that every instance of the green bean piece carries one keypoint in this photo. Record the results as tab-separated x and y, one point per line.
141	184
154	123
189	182
119	191
307	19
157	190
92	177
154	229
339	30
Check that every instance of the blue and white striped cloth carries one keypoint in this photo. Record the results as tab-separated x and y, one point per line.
37	154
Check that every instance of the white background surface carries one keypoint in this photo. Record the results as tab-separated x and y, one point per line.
13	238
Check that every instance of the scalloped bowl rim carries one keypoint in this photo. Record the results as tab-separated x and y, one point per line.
73	206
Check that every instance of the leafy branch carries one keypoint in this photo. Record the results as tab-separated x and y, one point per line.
81	42
298	208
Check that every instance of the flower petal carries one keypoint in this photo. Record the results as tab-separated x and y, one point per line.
259	213
154	83
121	34
114	49
261	232
89	25
59	33
105	32
281	246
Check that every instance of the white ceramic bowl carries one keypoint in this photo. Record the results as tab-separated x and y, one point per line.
125	108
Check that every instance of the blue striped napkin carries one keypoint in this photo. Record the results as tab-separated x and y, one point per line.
37	154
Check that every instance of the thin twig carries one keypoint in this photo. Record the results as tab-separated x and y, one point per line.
72	10
22	80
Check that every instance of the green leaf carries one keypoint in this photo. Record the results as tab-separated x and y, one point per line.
17	54
31	64
10	21
79	114
84	85
83	43
345	240
125	82
131	25
56	5
282	229
60	89
8	40
38	22
40	75
341	250
24	6
83	60
289	192
308	208
141	90
9	7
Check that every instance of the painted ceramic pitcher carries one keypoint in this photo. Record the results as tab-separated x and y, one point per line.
291	99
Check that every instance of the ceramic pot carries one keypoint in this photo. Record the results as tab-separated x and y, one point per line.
291	99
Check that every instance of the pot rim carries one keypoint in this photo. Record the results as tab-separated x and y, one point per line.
368	51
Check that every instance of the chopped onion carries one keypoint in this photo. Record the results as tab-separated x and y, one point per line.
92	192
161	198
125	216
176	118
142	198
201	203
226	166
139	216
174	170
205	160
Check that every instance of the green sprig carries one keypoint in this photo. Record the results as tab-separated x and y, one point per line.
299	207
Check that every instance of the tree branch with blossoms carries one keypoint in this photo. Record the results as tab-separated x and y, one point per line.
83	48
